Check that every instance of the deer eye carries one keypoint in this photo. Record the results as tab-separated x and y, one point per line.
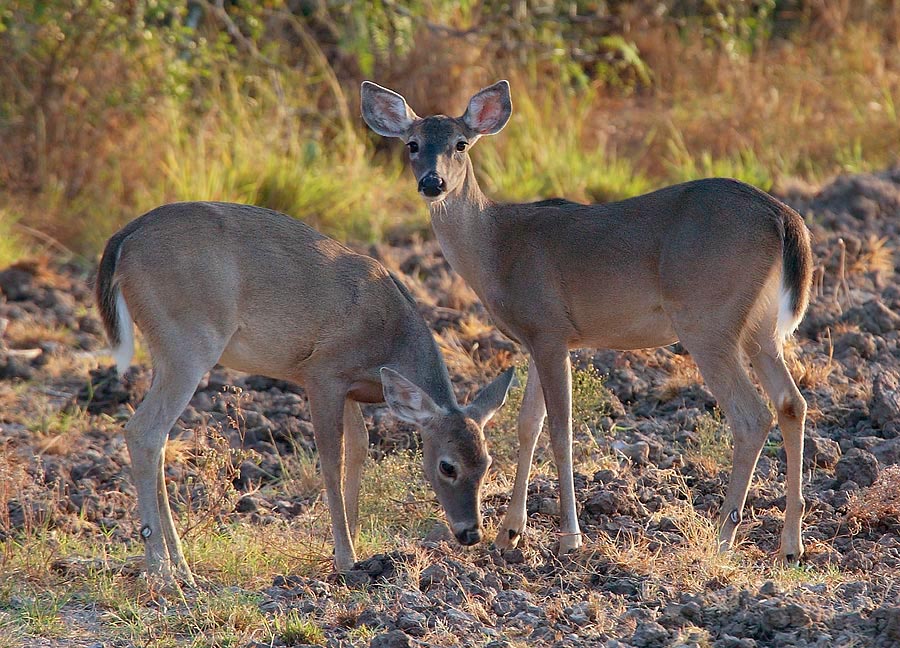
413	147
461	146
448	470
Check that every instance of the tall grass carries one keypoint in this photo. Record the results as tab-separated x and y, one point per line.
12	245
810	105
547	150
287	136
250	149
258	152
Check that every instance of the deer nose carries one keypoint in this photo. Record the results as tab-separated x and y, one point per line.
469	537
432	185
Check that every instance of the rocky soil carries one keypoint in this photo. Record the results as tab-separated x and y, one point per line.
649	476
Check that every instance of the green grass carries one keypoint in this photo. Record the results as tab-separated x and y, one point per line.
295	628
395	502
713	441
331	185
245	555
224	611
39	613
12	245
547	151
590	397
745	165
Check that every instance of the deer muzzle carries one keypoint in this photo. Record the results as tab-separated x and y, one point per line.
432	185
469	537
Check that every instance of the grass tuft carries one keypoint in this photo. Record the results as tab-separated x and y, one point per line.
12	246
294	628
878	505
713	443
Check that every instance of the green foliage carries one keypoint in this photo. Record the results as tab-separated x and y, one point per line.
39	613
108	109
294	628
736	26
12	245
326	181
591	401
62	77
713	440
624	66
395	502
544	152
590	397
744	166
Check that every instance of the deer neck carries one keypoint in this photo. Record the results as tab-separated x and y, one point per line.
463	229
417	357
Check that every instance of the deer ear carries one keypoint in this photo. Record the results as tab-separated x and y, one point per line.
491	398
489	109
386	112
406	400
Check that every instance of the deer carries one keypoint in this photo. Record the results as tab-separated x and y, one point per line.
715	264
263	293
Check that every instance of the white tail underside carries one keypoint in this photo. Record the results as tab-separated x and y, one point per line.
787	321
125	350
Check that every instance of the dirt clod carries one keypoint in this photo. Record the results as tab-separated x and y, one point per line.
858	466
392	639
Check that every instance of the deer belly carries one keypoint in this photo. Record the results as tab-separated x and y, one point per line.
625	329
260	353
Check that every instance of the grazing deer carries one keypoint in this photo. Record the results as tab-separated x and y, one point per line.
716	264
260	292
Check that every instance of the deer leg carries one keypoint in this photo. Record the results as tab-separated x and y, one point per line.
555	370
173	542
356	447
145	435
327	410
749	418
790	407
531	420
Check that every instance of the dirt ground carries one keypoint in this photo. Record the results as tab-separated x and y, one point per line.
652	460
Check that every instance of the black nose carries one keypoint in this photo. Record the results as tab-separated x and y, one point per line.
469	537
432	185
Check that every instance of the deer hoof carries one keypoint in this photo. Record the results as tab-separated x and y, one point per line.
569	542
507	539
790	558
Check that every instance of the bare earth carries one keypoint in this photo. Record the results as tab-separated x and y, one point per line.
652	462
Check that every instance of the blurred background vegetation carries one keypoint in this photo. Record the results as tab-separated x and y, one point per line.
109	108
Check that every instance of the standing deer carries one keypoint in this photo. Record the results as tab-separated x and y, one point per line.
715	264
260	292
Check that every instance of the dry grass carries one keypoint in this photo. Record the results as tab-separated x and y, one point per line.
810	370
234	559
27	334
458	295
713	449
832	98
687	565
876	255
878	505
684	374
819	102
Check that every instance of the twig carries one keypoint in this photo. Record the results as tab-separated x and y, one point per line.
46	238
54	392
218	10
819	281
312	47
842	276
434	27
